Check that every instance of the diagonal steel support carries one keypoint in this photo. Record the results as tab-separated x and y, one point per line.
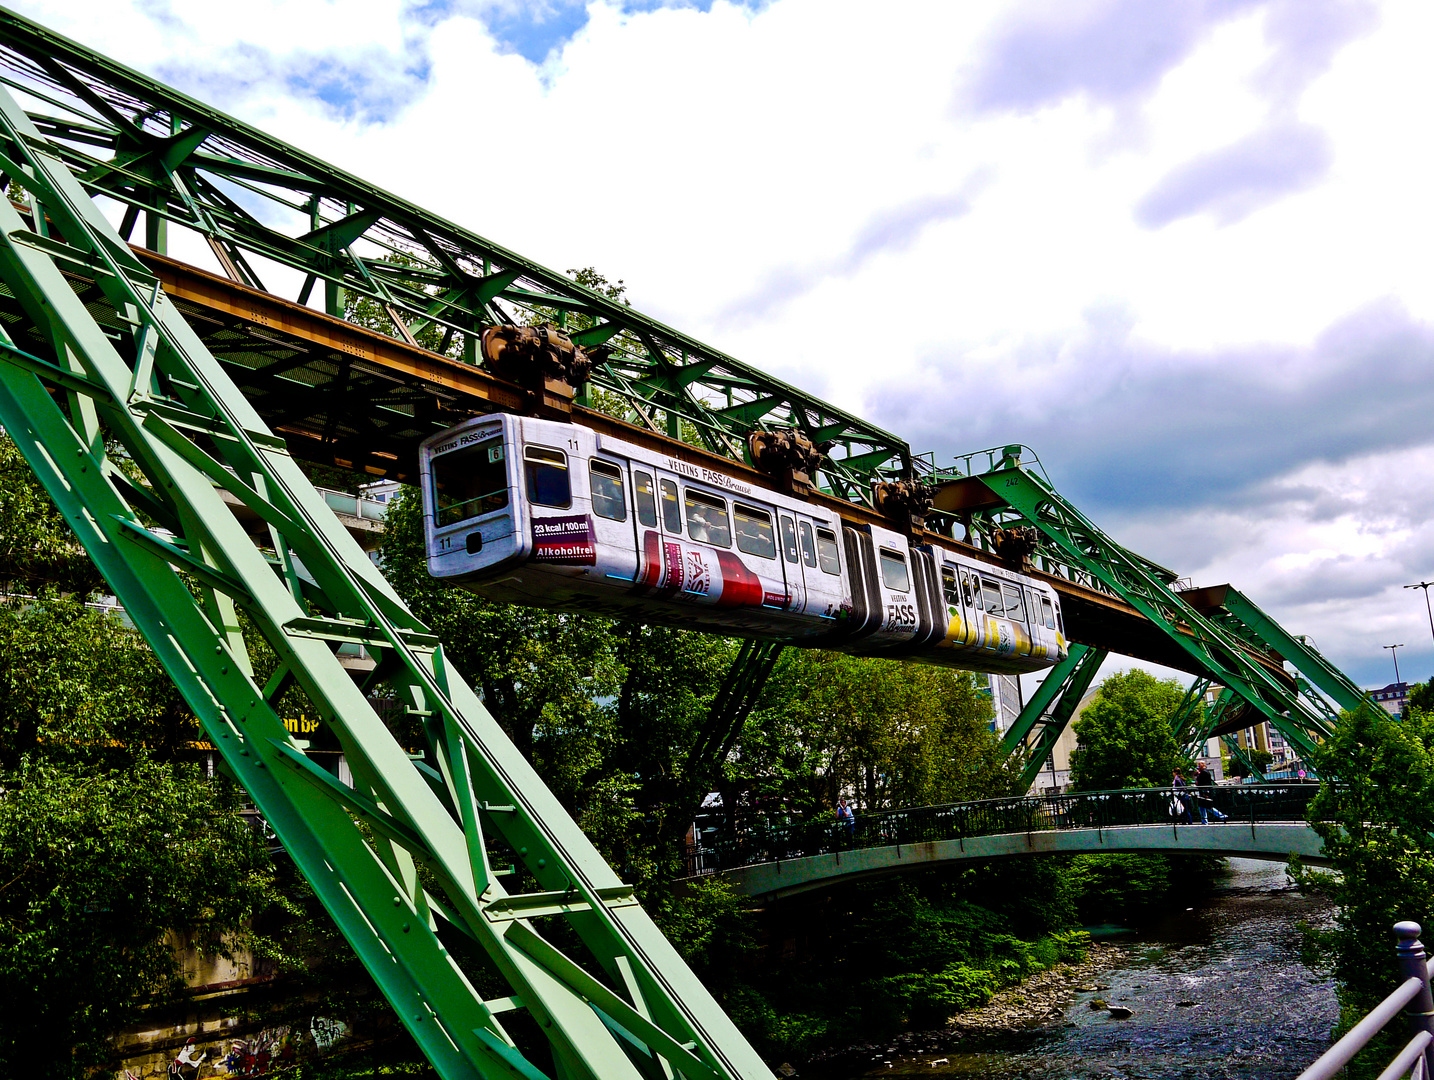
1020	497
1050	709
133	424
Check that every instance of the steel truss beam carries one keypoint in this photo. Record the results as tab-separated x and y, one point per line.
1006	494
1050	709
271	214
455	848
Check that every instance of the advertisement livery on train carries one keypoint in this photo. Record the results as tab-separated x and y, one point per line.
556	515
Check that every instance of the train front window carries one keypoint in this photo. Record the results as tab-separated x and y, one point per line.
609	500
643	496
827	551
548	481
470	482
671	512
789	539
1048	615
707	520
893	571
754	531
809	547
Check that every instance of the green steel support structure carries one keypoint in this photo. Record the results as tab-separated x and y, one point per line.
139	432
275	218
1071	545
447	848
1050	709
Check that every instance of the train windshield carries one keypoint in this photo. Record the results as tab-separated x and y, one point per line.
470	482
547	472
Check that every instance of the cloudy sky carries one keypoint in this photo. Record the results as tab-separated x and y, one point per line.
1181	249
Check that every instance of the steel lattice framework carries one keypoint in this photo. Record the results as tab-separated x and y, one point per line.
136	426
137	433
271	214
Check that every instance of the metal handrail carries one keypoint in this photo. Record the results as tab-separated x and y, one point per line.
763	840
1415	1055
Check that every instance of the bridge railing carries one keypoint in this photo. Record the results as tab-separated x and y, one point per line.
1416	1059
765	840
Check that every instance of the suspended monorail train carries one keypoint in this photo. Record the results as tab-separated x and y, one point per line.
555	515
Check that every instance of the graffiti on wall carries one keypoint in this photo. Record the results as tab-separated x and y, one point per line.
262	1054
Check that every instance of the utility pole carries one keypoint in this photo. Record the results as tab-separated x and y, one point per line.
1425	586
1394	651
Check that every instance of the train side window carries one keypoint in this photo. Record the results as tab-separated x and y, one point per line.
548	481
1048	615
948	585
827	551
809	548
609	500
968	588
754	531
991	600
894	572
1015	607
643	498
707	520
789	539
470	482
671	512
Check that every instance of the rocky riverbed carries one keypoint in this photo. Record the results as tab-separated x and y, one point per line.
1040	1000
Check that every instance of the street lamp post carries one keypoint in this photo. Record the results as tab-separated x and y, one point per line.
1425	586
1394	650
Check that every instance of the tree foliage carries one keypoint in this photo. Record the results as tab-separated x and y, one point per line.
109	838
1374	814
1124	737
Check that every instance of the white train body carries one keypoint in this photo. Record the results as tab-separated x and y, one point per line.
556	515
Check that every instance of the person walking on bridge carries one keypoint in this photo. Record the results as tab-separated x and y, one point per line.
846	820
1179	800
1205	786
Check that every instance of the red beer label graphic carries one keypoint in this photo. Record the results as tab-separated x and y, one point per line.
564	540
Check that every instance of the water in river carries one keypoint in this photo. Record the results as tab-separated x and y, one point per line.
1217	992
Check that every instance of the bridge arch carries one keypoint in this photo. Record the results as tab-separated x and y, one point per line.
1262	822
1272	841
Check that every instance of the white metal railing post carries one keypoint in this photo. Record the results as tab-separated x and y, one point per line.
1413	964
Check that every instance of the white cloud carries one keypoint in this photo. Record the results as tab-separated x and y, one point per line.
816	190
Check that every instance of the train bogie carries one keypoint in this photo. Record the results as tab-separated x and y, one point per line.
559	516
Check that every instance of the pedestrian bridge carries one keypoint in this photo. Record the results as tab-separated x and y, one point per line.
770	861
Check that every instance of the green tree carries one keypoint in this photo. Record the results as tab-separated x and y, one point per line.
95	871
1124	737
109	840
895	734
1374	813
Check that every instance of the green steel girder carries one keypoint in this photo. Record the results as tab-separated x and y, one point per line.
730	708
611	999
1071	542
182	164
1297	651
1050	709
1188	733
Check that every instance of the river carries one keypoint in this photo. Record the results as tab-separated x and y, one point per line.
1216	992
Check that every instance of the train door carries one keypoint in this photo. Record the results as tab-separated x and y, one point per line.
897	585
791	552
613	496
658	530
